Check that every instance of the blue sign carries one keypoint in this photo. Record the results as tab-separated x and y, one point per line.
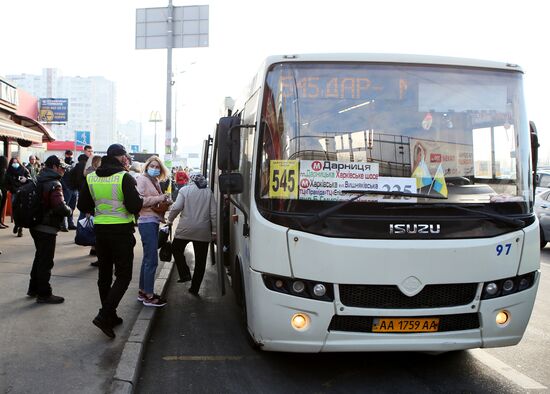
54	110
82	138
134	148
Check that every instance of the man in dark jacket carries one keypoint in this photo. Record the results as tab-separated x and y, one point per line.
110	194
44	234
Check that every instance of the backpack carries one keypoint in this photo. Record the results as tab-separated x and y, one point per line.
27	206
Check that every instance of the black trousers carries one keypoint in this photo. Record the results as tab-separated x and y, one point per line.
201	252
114	250
43	263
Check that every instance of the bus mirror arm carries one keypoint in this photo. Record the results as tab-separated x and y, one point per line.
246	227
534	153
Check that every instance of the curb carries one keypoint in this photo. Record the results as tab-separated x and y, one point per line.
126	374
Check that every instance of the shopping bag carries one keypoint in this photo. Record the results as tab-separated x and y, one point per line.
85	234
163	236
165	252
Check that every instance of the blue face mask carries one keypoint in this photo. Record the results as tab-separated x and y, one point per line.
153	172
15	165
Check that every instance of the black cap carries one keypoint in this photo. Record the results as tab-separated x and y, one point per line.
116	150
68	152
54	161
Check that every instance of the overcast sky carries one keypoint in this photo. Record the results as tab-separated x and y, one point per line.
88	38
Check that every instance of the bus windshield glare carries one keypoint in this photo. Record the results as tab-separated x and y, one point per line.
331	129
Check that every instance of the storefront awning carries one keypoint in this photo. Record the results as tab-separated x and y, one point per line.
11	129
25	121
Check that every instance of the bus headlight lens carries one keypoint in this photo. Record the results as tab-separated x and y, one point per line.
502	318
300	321
298	286
319	290
491	289
508	285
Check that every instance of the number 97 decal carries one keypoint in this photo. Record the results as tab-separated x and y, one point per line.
503	249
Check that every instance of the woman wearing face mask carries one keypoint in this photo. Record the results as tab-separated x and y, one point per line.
16	176
148	224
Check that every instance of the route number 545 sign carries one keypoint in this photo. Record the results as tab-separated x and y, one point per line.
283	179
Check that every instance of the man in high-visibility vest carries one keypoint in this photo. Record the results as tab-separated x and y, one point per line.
110	195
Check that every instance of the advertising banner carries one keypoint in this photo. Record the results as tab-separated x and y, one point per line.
54	110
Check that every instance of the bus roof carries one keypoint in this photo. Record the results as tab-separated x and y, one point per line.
392	58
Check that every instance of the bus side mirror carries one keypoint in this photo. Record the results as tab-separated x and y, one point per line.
534	145
229	143
231	183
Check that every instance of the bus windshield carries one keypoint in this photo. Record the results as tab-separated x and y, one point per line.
330	129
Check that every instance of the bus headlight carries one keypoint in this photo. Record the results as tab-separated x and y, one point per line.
299	287
507	286
319	290
491	289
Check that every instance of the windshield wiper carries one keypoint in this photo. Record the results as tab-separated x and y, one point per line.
360	193
495	216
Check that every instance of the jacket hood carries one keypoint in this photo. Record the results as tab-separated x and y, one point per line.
109	166
82	157
48	174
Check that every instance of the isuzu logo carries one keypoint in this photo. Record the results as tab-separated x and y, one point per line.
414	228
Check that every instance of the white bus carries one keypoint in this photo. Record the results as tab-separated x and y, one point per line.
373	202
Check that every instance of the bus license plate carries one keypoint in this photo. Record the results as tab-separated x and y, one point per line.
430	324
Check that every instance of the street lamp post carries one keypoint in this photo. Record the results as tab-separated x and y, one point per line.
155	117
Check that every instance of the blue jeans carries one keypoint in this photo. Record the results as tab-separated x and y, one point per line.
149	238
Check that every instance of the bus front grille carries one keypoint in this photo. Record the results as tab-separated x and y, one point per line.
390	297
466	321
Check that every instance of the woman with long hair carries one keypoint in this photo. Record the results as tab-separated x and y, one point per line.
148	224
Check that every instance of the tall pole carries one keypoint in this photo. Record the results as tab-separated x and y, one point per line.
169	39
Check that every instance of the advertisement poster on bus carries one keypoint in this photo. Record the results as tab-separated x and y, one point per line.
456	159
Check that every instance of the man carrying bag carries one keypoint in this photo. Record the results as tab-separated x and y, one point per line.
110	195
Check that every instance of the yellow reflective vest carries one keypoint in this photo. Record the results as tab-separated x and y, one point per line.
109	199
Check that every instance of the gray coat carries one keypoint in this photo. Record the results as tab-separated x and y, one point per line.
198	213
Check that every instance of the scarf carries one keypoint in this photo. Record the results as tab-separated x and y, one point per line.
199	179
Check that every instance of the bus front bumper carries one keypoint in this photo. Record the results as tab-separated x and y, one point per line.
270	315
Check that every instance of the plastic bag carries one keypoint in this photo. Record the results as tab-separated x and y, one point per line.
85	234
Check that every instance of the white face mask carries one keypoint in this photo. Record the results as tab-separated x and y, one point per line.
15	165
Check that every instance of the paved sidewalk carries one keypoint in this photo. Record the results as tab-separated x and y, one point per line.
56	348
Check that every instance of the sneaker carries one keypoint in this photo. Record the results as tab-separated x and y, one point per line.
32	294
104	325
52	299
95	264
20	232
14	229
64	229
141	296
72	227
155	301
93	252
